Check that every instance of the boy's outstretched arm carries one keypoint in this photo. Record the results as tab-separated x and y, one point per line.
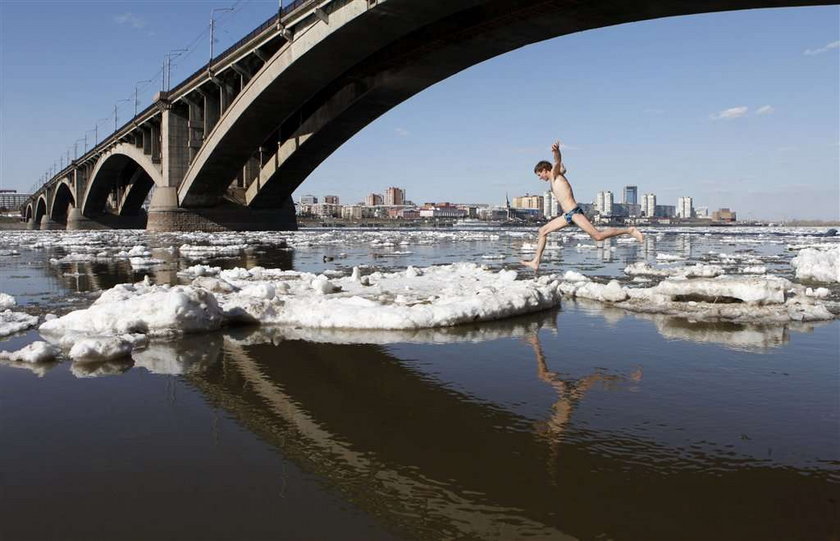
559	168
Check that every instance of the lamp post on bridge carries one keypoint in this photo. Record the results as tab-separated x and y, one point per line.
115	112
167	68
136	98
76	147
213	31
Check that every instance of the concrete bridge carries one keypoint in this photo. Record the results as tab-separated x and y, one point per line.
226	147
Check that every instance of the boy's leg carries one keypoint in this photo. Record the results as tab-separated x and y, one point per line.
583	222
550	227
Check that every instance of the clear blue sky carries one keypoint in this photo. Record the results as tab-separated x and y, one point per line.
738	109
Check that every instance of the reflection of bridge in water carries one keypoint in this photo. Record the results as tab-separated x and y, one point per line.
434	463
227	146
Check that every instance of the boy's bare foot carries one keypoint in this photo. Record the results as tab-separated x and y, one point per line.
533	264
636	234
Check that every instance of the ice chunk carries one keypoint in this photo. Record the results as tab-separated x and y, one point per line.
36	352
821	265
6	301
100	349
12	322
141	308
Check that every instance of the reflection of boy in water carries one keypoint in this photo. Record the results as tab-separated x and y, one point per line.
569	391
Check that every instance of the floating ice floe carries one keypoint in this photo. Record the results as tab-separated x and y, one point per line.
734	298
821	265
12	322
142	308
412	299
34	353
640	268
6	301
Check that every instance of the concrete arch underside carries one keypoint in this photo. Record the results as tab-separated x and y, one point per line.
120	182
337	76
62	202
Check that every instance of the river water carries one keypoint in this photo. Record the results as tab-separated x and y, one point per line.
581	422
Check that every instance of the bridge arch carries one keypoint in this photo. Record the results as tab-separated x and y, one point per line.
27	213
62	202
40	209
337	76
126	171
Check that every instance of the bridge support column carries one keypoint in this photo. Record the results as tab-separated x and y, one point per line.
76	221
48	223
31	224
164	215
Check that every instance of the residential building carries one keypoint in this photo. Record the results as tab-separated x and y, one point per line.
604	203
649	205
331	199
394	196
373	199
529	202
685	207
11	200
724	215
308	200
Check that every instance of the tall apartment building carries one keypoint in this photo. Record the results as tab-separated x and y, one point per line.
373	199
551	207
685	207
631	195
308	200
649	205
604	203
331	199
394	196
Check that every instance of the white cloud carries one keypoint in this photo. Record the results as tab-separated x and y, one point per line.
832	45
732	112
130	19
766	110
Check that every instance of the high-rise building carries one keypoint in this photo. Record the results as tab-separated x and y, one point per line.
551	207
308	200
649	205
394	196
685	207
631	195
373	199
604	203
331	199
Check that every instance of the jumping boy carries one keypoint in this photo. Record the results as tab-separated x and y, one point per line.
562	190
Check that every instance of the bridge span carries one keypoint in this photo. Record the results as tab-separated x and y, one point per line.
226	147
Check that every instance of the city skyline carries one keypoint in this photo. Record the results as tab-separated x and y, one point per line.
724	106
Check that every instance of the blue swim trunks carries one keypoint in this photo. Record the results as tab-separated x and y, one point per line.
568	215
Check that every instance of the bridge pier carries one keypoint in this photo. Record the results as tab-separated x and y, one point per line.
166	215
48	223
76	221
31	224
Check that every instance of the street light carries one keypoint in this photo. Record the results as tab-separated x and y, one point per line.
167	67
115	112
213	30
136	99
76	146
